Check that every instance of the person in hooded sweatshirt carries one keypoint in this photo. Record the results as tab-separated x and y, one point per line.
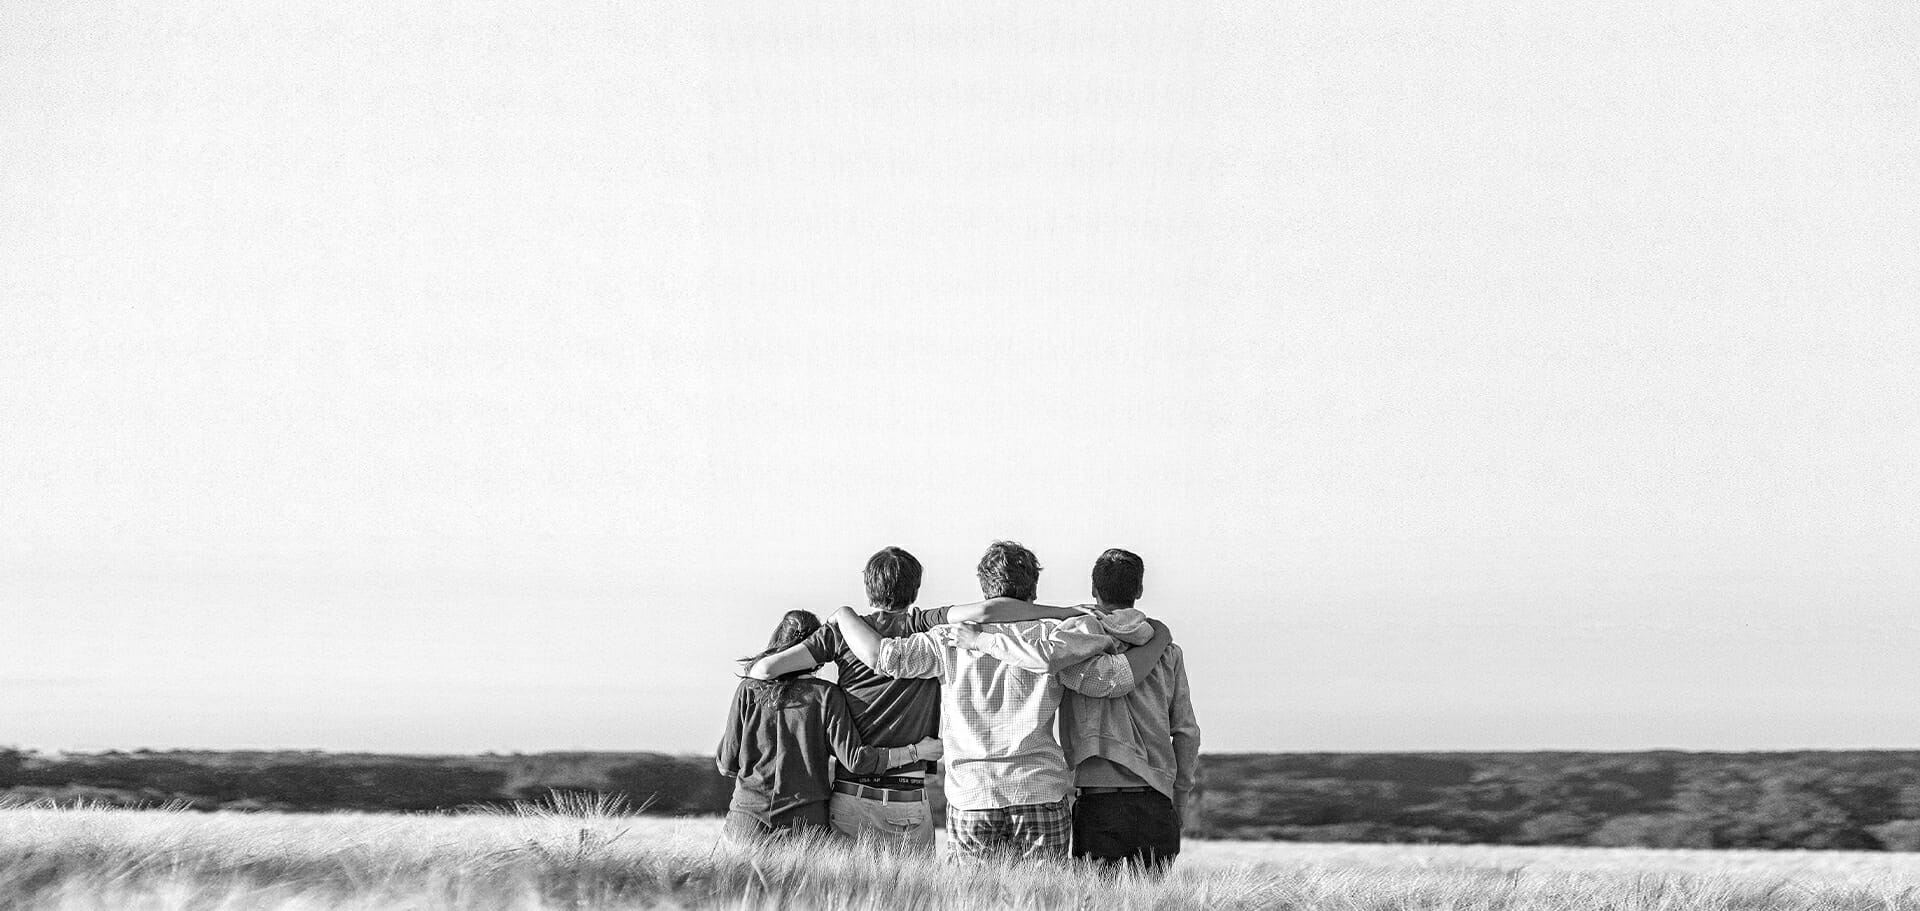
1007	777
1135	758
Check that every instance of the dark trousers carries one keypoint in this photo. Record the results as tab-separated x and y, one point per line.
1127	827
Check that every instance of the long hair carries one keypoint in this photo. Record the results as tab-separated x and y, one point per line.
795	626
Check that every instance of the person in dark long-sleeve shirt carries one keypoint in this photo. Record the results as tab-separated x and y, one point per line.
779	736
891	711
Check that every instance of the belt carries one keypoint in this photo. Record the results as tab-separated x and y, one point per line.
890	782
880	794
1115	790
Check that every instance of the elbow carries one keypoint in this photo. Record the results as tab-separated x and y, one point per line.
869	761
1097	688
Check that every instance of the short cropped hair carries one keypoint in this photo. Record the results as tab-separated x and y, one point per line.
1008	570
893	579
1117	577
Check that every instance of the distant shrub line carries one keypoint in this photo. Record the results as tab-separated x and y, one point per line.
1858	800
1821	800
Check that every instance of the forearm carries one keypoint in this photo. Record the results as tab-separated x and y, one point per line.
1006	610
795	658
1186	765
1183	725
1143	658
1010	649
1185	729
865	760
1186	780
861	639
1102	677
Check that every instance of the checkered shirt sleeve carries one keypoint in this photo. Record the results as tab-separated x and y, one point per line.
917	655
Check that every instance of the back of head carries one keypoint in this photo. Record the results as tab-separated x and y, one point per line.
893	579
794	628
1009	570
1118	577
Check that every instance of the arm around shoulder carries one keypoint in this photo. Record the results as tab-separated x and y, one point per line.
1006	610
1142	659
788	660
908	656
1114	676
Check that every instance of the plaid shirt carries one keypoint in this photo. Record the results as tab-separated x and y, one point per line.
997	718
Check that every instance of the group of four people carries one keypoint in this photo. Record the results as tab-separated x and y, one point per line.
979	685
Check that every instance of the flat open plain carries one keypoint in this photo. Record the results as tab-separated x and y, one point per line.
121	859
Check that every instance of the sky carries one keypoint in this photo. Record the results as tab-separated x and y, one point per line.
452	377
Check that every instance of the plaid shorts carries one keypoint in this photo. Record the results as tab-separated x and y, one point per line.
1034	830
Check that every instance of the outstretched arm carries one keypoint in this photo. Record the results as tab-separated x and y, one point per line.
908	656
793	658
1058	647
1007	610
1111	676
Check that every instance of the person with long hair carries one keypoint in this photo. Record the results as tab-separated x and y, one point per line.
780	735
891	711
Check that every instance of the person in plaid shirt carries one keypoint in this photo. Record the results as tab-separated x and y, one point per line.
889	807
1135	758
1007	777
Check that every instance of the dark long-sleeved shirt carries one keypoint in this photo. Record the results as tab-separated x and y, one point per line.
778	740
891	711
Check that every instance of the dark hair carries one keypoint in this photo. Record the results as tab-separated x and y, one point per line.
795	626
893	579
1117	576
1009	570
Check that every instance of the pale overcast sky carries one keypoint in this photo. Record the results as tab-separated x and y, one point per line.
447	377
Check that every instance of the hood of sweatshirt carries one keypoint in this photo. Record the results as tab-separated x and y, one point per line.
1128	624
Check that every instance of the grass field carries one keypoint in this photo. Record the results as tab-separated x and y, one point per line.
122	859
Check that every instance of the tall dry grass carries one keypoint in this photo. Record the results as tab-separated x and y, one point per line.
594	856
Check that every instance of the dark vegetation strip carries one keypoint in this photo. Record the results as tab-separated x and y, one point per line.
1858	800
